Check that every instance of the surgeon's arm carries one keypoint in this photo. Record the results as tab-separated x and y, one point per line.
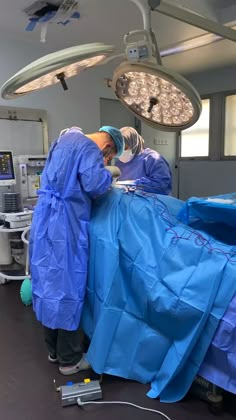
94	178
158	176
114	170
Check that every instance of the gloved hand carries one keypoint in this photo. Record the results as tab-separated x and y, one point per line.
115	172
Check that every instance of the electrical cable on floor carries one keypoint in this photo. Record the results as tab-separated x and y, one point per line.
81	403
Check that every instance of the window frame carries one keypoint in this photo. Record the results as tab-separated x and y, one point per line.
222	145
216	129
180	158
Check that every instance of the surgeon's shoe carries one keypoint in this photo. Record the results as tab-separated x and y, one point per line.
52	358
70	370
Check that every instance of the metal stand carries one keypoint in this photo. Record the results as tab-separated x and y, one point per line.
4	278
210	393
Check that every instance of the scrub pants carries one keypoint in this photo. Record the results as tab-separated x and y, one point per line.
65	345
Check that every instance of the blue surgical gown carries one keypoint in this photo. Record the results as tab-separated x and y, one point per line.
148	169
73	175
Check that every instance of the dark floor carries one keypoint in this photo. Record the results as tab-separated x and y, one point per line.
26	378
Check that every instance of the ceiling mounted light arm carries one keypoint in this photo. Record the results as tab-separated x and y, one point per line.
146	13
141	45
157	53
145	9
192	18
155	94
193	43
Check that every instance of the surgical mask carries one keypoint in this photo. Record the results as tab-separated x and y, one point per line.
127	156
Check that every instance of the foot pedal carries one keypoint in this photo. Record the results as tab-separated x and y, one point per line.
85	391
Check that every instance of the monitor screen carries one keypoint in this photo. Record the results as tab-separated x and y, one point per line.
7	175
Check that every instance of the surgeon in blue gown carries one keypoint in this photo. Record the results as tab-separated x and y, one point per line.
146	167
74	175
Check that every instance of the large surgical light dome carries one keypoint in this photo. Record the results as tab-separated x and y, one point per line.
55	68
157	95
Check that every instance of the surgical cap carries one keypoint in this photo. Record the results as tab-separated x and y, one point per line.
66	130
117	138
132	139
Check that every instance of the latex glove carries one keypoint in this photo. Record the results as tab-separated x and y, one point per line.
115	172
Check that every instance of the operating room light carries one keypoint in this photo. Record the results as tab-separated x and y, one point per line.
55	68
60	74
158	96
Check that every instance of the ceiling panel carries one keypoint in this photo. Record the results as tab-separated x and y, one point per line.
108	20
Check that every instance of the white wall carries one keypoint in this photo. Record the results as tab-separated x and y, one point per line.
77	106
168	150
214	80
205	178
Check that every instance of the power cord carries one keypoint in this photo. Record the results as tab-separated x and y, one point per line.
81	403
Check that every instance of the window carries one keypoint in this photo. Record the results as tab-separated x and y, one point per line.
230	126
195	140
